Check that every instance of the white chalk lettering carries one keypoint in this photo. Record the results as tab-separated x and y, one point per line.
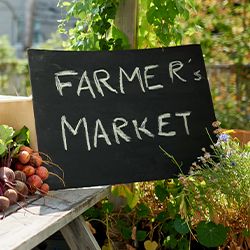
86	132
71	129
136	72
184	115
147	76
60	85
103	133
103	80
175	66
161	124
142	128
197	75
117	130
88	87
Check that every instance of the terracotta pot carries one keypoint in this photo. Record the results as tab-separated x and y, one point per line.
242	135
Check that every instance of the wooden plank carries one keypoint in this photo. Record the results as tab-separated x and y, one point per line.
28	227
78	235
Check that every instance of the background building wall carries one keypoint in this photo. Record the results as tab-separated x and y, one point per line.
13	21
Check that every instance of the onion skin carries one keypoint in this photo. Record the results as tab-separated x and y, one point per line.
6	174
21	189
4	203
20	176
12	195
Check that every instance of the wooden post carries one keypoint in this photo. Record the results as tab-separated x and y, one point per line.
126	20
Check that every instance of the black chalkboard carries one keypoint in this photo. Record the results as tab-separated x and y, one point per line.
102	116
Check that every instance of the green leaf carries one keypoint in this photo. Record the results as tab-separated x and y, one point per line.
6	133
246	233
118	34
210	234
103	44
133	200
124	229
3	147
181	226
161	192
183	244
172	210
151	14
143	210
124	191
161	216
92	212
168	228
170	241
107	207
22	136
66	4
141	235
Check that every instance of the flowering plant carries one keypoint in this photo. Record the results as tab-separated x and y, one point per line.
210	206
217	192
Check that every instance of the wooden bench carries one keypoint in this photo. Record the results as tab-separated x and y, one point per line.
60	211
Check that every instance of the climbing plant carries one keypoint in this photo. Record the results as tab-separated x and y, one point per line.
94	24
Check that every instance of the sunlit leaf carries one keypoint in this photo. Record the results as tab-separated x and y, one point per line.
150	245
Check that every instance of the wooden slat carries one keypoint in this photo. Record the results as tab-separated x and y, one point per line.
28	227
78	235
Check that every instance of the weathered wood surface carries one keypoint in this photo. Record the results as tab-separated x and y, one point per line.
14	208
29	226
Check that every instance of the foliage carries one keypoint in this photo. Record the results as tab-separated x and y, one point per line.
210	205
159	22
221	27
95	27
6	134
11	140
231	109
13	71
223	30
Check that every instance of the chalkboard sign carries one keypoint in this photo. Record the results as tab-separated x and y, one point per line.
102	116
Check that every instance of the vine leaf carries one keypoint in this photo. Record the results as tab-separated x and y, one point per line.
210	234
181	226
